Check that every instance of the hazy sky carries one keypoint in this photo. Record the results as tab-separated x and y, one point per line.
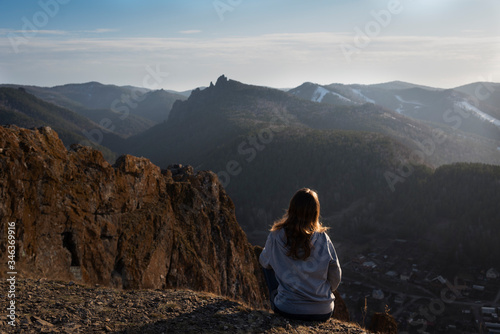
188	43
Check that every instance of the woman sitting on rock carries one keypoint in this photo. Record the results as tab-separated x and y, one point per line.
300	264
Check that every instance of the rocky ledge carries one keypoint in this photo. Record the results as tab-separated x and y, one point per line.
65	307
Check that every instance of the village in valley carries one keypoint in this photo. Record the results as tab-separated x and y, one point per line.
388	279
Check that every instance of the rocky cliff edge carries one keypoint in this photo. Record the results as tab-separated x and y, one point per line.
129	226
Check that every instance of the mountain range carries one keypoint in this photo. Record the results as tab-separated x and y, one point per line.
466	116
473	108
469	144
265	143
26	110
352	143
130	110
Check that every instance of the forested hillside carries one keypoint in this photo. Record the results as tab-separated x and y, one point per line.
457	208
17	107
131	110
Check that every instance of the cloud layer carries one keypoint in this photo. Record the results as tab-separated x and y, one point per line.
318	56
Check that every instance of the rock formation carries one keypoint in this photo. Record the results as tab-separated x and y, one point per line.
130	225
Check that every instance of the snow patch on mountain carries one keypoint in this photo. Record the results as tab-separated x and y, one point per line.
361	95
401	109
343	98
319	94
400	99
464	105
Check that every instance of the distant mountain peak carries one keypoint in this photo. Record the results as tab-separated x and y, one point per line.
221	80
400	85
90	84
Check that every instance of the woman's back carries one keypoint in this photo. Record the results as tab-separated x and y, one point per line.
301	265
305	285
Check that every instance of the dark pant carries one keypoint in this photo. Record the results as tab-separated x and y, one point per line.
272	285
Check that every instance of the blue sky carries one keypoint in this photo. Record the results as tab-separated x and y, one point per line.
277	43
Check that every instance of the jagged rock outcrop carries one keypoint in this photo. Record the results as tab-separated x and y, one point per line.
131	225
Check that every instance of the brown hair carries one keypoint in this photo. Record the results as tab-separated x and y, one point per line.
300	221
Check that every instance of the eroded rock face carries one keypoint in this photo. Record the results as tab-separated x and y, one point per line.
131	225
